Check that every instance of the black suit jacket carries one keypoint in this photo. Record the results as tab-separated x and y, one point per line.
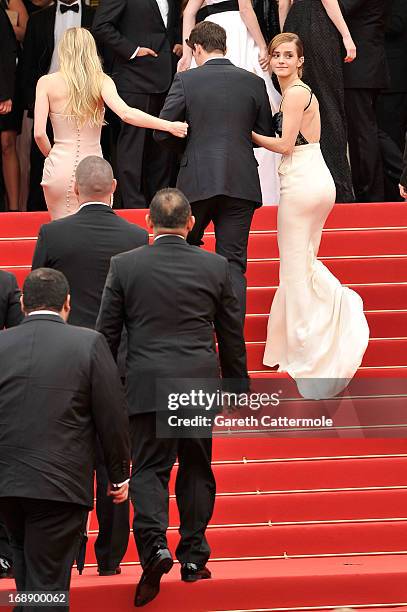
39	47
171	296
222	104
60	389
10	309
366	22
8	57
124	25
396	45
81	246
403	179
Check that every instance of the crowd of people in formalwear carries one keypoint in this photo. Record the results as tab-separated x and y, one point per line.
363	102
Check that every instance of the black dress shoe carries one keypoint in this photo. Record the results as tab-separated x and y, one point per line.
149	586
6	568
109	572
190	572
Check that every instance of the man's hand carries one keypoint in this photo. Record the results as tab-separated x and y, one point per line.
177	50
143	51
264	59
403	192
119	495
184	63
6	106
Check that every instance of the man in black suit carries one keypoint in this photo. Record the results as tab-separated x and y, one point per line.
10	315
392	103
10	308
218	174
172	297
45	28
364	78
143	34
81	246
60	389
403	178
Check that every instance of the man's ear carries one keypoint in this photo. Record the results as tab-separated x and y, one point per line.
149	223
75	189
114	185
22	303
191	223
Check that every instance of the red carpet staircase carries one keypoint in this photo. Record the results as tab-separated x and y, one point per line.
300	524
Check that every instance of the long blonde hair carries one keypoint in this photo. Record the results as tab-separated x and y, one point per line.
82	69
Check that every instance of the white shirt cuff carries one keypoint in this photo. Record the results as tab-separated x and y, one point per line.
135	53
120	484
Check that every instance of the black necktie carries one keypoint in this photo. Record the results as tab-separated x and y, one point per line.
69	7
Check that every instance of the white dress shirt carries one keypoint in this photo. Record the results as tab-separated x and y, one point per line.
42	312
164	9
70	19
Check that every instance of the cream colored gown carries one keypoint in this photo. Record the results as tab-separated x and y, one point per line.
317	331
71	144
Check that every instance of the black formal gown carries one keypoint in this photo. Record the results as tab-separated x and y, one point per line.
324	55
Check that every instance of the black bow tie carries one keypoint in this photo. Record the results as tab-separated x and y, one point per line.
69	7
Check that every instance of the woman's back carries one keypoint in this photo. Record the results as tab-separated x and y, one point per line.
74	139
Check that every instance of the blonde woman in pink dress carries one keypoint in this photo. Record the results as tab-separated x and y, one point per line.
74	99
317	330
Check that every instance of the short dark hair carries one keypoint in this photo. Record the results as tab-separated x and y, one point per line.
170	208
211	37
46	289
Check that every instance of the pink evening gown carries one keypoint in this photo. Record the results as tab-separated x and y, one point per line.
72	143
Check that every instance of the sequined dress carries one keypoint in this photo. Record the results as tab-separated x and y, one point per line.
324	56
72	143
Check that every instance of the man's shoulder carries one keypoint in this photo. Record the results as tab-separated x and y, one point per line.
6	278
122	259
45	13
132	227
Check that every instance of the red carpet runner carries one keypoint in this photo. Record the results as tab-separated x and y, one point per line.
299	524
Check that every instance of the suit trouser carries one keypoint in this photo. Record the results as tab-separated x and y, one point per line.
143	166
114	529
364	150
195	490
45	537
232	218
392	116
5	548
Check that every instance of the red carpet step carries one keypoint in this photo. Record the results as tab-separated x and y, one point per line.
334	507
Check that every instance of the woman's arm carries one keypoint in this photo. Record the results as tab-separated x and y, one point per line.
335	15
136	117
294	103
41	111
188	22
250	20
283	8
19	29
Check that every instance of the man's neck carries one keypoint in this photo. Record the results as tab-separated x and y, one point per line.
213	55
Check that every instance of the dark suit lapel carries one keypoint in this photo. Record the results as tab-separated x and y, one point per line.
154	6
87	15
49	27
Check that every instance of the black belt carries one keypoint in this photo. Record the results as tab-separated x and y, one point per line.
220	7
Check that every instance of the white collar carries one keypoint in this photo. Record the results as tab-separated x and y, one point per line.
161	235
89	203
41	312
214	57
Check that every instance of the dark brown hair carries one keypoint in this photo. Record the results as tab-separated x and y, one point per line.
211	37
288	37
